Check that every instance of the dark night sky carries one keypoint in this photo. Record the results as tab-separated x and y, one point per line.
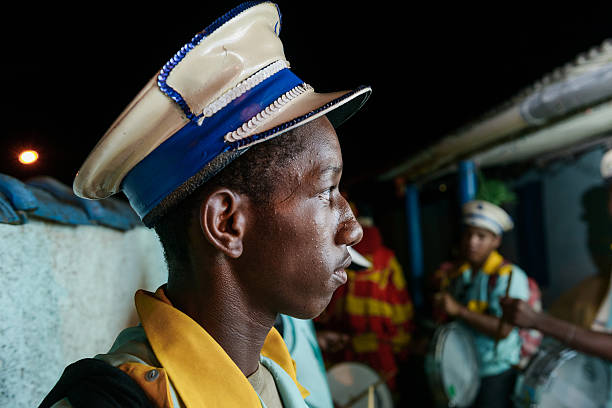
69	72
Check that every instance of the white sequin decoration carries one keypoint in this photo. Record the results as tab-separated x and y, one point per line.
249	128
237	91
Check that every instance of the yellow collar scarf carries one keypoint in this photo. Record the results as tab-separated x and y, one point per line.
200	370
495	263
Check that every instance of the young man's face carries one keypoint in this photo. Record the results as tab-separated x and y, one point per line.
477	243
298	254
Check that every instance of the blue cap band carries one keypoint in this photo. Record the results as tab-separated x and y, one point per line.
495	226
187	151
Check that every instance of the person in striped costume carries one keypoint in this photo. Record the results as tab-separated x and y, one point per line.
370	318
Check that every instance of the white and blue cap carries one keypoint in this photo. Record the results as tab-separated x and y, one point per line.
483	214
227	89
606	166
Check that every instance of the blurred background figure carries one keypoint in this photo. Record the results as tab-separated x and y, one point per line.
584	315
471	291
370	318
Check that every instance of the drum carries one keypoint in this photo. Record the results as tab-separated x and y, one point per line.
561	377
451	365
349	383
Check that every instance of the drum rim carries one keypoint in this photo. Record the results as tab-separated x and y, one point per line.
543	379
434	364
382	385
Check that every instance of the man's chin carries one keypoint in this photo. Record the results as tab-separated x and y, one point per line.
474	260
304	315
310	311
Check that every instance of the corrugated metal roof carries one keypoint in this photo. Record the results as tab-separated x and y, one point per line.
531	108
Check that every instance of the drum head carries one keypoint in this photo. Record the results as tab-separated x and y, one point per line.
348	380
564	378
452	366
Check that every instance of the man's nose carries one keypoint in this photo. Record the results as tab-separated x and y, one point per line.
350	232
473	241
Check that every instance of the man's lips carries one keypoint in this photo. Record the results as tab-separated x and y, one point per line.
340	273
346	263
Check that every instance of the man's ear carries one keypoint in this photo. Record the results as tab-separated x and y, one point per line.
223	220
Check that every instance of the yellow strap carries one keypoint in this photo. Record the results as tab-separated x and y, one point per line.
478	306
505	270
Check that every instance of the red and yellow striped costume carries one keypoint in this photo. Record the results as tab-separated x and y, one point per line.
374	308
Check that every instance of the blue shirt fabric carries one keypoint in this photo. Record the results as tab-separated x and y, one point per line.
481	292
289	393
301	340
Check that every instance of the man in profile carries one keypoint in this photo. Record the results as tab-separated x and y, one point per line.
234	161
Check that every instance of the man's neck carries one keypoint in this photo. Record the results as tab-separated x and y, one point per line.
475	267
236	326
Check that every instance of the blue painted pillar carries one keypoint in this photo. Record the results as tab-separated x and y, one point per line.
415	244
467	181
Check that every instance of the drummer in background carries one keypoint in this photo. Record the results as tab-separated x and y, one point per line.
472	294
596	340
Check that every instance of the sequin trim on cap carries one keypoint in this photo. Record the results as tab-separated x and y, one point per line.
260	137
250	127
241	88
162	78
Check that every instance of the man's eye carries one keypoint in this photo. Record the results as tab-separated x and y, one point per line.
327	194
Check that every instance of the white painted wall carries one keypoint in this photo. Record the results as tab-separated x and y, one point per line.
65	293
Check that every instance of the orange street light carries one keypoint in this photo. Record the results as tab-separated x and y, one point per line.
28	156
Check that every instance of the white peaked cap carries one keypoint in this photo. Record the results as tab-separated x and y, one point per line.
483	214
227	89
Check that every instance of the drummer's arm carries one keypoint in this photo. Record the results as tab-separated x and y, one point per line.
521	314
484	323
588	341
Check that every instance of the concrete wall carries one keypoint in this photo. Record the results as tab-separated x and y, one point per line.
66	292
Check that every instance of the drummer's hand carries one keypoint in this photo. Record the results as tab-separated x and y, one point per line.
518	312
447	303
332	341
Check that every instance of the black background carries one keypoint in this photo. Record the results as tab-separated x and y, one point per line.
68	71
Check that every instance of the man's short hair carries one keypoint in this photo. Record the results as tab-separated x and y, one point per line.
254	174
